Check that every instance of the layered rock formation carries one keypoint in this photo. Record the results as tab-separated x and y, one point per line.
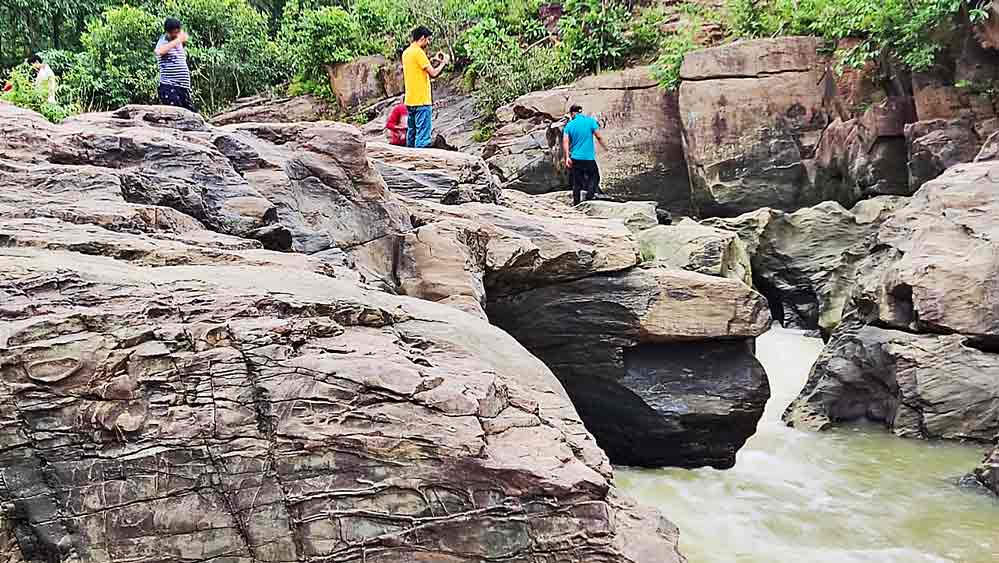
639	121
806	262
698	248
365	80
178	393
433	174
919	351
265	109
752	115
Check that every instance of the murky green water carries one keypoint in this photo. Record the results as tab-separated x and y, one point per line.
852	495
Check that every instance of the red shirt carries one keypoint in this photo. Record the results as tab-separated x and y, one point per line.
397	125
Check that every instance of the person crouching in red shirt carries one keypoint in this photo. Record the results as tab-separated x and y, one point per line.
397	124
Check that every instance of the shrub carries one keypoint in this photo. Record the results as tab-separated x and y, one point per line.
312	38
23	93
117	65
386	22
901	29
673	49
593	34
539	68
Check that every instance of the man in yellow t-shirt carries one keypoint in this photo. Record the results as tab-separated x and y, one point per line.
417	70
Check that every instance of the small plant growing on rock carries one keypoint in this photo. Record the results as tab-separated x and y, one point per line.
23	93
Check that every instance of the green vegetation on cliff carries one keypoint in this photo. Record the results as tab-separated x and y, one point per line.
102	49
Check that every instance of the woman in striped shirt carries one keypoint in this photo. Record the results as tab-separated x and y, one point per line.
175	76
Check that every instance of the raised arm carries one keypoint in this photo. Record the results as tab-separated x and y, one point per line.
435	70
170	45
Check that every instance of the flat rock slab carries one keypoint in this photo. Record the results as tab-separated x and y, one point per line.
435	175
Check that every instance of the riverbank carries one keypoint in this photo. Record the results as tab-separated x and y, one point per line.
855	494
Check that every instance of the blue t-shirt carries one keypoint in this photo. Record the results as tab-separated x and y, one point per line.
580	131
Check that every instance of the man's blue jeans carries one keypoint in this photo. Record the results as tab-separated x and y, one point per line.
418	133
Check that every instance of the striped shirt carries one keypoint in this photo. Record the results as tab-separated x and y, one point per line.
173	66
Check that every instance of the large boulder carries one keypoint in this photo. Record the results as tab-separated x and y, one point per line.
657	361
318	175
173	393
753	112
863	157
918	351
267	109
699	248
919	386
988	472
935	260
806	262
364	80
637	215
936	145
434	174
639	121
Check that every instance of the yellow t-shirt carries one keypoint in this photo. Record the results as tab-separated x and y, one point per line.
415	65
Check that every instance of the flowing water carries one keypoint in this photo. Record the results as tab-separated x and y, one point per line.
855	494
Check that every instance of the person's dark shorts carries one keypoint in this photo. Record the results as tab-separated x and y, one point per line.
176	96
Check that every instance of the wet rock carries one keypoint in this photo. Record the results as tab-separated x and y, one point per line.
806	262
433	174
699	248
265	109
753	112
655	360
919	386
640	123
174	393
938	144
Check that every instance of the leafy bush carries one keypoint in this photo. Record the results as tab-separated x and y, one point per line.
902	29
311	38
593	34
386	22
23	93
229	53
539	68
644	31
117	65
666	69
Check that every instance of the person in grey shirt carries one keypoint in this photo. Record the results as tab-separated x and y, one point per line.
175	76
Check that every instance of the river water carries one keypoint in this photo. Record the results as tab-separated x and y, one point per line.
854	494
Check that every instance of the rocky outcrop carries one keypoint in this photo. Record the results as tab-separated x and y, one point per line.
433	174
919	349
657	361
175	393
920	386
806	262
863	157
639	121
938	144
266	109
364	80
637	215
752	114
698	248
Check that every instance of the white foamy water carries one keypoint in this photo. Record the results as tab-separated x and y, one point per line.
853	495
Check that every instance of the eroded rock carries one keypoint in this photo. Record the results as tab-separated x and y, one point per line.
698	248
656	360
437	175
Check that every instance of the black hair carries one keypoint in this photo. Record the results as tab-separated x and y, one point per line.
171	24
420	32
576	108
36	58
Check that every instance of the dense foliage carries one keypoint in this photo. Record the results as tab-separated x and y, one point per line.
23	93
102	49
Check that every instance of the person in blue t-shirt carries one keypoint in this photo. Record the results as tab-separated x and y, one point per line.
580	154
